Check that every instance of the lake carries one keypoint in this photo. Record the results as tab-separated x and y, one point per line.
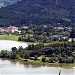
8	44
14	67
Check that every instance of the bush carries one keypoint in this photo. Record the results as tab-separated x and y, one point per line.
43	59
13	55
35	57
26	55
4	54
66	60
50	60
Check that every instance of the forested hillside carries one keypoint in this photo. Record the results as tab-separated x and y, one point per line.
38	12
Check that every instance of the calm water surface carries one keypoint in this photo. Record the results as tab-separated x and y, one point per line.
11	67
8	44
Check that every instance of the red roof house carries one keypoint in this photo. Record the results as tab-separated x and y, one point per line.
12	29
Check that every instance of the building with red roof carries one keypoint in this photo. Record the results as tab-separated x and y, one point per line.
12	29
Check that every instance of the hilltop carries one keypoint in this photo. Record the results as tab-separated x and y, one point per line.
38	12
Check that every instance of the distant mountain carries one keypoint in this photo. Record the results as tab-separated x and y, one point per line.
38	12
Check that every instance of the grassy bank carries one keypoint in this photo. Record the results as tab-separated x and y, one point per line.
9	37
39	63
14	38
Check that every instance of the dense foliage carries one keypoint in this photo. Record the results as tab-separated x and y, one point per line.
58	52
45	34
38	12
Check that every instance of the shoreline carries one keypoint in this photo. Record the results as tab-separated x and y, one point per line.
14	38
9	37
39	63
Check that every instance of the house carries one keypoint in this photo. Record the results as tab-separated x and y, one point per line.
2	30
70	39
59	28
12	29
58	37
24	27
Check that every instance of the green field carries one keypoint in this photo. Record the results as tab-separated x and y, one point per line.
9	37
14	38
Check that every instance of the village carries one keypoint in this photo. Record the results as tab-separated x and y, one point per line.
43	33
10	29
37	37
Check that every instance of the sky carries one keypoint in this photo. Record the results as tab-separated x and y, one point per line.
4	3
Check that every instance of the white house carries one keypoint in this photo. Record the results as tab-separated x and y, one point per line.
2	30
12	29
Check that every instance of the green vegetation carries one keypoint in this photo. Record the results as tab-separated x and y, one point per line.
14	38
44	34
43	48
9	37
41	21
38	12
40	53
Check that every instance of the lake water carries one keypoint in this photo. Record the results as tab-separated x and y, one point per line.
8	44
11	67
8	67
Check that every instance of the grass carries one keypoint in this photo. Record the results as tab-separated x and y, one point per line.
55	64
13	38
30	43
9	37
39	63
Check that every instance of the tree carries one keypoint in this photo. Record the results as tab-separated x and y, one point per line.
26	55
66	60
72	33
43	59
4	54
35	57
13	53
21	51
23	21
50	60
14	49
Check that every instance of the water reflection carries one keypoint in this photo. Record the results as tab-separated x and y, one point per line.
14	67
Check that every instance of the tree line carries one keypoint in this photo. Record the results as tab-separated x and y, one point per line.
51	53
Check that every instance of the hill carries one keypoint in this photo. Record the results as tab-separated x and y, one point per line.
38	12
